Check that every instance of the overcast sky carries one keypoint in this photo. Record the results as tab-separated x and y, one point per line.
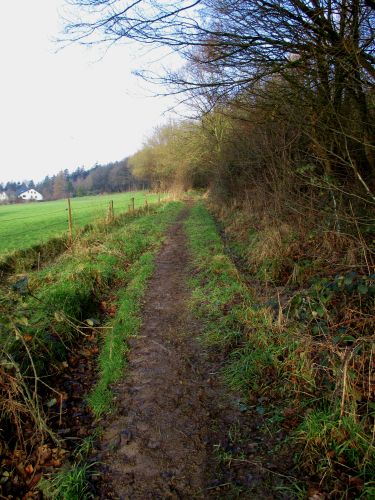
65	109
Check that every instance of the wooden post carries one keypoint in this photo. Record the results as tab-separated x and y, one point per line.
146	203
109	215
133	205
70	222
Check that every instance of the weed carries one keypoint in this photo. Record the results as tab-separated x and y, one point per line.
337	448
294	490
226	456
83	451
70	483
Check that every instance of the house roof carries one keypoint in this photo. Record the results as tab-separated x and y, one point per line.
21	190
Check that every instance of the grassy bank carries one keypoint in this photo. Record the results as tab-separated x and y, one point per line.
45	315
314	387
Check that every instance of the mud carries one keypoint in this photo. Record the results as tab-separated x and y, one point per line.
173	416
155	446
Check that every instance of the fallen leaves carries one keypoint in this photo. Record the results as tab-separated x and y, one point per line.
68	415
22	473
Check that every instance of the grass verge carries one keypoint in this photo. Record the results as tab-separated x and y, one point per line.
44	315
316	390
127	322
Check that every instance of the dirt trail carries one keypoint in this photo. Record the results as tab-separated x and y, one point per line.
156	444
172	411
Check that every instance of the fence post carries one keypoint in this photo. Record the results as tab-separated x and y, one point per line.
112	210
109	215
133	205
146	203
70	222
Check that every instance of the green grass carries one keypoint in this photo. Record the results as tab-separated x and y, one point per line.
70	483
231	320
140	250
341	444
47	314
308	391
232	324
219	296
26	224
112	358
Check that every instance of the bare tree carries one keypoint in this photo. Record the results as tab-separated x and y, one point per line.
319	52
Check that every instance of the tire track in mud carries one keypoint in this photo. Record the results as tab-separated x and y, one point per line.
155	445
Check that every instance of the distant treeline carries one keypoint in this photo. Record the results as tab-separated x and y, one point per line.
110	178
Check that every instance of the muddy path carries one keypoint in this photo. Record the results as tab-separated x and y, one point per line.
155	445
172	410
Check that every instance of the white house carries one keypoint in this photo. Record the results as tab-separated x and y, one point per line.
30	195
3	197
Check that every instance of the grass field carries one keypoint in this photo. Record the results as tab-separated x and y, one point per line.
27	224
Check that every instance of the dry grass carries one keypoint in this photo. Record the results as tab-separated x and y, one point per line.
318	270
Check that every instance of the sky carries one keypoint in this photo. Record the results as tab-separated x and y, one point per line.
60	109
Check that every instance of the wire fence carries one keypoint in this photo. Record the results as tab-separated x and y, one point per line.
45	222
